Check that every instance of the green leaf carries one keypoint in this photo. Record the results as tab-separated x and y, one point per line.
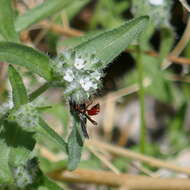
7	22
49	184
5	173
110	44
75	144
178	122
46	130
72	9
18	89
166	43
160	88
39	91
45	9
26	56
76	41
43	183
108	13
20	143
48	166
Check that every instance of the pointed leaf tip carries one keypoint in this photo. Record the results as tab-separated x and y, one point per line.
18	89
109	44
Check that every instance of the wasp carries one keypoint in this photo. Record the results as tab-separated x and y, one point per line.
84	113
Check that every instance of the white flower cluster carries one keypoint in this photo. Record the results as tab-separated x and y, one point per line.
158	10
80	74
156	2
25	174
25	116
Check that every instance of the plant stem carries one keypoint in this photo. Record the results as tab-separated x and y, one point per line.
141	99
39	91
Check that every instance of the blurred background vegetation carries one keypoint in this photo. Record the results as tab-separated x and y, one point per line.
159	127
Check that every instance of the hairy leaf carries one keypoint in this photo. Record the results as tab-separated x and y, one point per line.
26	56
45	9
166	43
110	44
75	144
5	173
76	41
46	130
49	184
20	143
18	89
42	182
7	21
39	91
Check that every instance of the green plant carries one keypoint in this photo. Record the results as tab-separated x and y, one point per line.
77	71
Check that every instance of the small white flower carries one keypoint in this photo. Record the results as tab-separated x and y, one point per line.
25	174
69	76
87	84
79	63
22	176
156	2
96	75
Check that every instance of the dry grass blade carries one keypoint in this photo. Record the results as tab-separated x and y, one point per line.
180	46
109	113
137	156
104	160
185	5
60	29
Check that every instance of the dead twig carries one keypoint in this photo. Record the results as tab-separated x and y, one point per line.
120	180
60	29
185	5
180	45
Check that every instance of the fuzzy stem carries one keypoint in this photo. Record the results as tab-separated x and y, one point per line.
39	91
141	99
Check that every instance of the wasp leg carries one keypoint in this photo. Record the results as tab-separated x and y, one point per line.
91	120
83	126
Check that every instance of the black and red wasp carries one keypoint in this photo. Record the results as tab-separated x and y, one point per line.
84	113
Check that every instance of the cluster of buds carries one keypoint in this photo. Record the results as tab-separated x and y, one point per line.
26	116
80	74
25	175
158	10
